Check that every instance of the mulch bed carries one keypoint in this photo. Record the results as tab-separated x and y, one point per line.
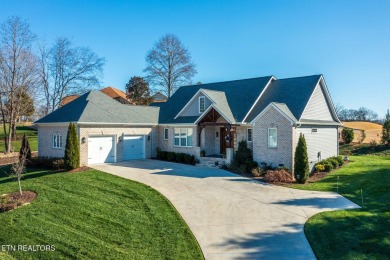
80	169
13	200
6	160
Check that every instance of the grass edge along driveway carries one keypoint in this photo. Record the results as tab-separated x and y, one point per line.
359	233
95	215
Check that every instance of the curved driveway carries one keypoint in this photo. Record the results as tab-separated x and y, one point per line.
233	217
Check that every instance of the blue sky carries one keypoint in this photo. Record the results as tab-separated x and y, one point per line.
346	41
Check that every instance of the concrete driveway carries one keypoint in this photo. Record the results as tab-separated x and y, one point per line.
233	217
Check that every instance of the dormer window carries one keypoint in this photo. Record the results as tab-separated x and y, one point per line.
202	104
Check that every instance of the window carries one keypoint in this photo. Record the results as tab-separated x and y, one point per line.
272	137
57	141
201	104
249	134
166	132
183	137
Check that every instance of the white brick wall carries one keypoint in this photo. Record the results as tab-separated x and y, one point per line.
283	153
45	141
45	134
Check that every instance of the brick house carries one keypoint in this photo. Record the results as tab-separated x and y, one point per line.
268	113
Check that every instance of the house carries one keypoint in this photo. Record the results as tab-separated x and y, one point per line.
268	113
116	94
159	97
67	100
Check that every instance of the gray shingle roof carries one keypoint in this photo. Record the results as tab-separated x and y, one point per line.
285	110
240	95
96	107
220	103
294	92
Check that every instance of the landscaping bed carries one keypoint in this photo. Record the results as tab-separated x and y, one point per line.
13	200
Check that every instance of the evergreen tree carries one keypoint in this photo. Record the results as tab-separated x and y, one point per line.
25	149
301	161
347	135
72	149
386	129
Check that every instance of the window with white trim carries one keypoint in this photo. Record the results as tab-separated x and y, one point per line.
57	141
202	105
272	137
183	137
166	133
249	133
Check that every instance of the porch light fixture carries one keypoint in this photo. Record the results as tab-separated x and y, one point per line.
121	138
83	140
216	134
148	137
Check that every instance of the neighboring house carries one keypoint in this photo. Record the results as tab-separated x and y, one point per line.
268	113
159	97
67	100
116	94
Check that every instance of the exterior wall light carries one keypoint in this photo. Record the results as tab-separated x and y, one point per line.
83	140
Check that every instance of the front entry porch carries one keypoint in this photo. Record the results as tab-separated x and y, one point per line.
215	140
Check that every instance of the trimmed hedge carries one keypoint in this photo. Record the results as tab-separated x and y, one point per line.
50	163
175	157
330	164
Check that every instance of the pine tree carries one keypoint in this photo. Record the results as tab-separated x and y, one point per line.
25	149
72	149
301	161
386	129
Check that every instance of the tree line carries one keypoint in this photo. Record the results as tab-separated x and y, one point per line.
35	76
360	114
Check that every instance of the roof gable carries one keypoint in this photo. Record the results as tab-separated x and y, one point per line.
240	96
293	92
317	107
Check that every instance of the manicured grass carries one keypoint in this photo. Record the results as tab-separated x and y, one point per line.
94	215
354	234
31	134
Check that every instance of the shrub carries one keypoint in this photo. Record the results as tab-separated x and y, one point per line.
347	135
385	139
50	163
158	153
72	149
328	167
243	159
334	162
301	161
320	167
257	172
340	159
180	157
278	176
164	155
25	148
171	156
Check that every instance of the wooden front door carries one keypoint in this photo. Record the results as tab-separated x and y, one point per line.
223	143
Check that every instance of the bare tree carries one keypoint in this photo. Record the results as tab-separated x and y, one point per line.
18	67
66	69
169	65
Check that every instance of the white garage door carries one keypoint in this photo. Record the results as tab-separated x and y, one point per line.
134	147
101	149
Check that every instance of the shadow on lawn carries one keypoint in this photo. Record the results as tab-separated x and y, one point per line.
4	178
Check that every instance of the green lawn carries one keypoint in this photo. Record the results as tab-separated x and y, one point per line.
354	234
94	215
32	136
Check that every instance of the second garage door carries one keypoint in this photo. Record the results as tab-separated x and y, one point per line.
134	147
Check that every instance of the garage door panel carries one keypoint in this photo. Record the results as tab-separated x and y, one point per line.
134	147
101	149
